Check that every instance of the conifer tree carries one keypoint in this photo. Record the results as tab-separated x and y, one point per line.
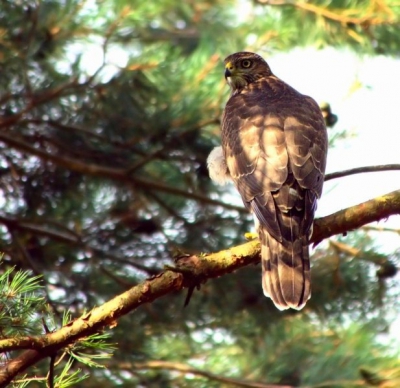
110	223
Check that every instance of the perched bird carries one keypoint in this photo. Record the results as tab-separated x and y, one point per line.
274	148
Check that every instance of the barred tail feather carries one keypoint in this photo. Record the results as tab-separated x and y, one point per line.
285	271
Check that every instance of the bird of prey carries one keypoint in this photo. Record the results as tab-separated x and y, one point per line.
274	149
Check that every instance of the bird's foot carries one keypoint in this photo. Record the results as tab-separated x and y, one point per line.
250	236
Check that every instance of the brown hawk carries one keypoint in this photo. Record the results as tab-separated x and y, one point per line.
274	148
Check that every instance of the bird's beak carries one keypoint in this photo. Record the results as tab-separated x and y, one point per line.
228	70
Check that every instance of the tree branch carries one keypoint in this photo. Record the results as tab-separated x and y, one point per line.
38	99
124	175
69	237
180	136
187	369
189	271
370	228
360	170
354	217
116	174
369	20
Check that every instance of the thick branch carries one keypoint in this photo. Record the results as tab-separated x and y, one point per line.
356	216
190	270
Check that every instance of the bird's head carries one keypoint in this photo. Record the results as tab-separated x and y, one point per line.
244	68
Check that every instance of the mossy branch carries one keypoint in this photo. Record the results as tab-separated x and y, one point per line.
188	271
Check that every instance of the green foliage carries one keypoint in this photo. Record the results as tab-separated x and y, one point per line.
24	312
68	377
20	300
108	113
95	342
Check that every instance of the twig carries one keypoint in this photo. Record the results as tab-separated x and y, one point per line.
110	173
77	129
372	228
186	369
125	175
342	18
164	148
335	383
74	239
33	227
360	170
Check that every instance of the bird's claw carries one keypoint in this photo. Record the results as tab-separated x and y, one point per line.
250	236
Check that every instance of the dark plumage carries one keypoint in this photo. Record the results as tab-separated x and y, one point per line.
275	144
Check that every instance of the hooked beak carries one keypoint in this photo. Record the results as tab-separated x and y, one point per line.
228	70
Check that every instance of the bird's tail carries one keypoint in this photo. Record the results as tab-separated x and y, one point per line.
285	271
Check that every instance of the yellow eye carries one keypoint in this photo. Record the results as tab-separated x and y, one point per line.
246	63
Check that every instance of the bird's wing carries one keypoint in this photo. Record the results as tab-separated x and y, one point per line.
276	158
256	157
307	145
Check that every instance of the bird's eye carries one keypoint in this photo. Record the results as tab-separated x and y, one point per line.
246	63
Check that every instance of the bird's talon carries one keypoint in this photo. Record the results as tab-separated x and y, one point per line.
250	236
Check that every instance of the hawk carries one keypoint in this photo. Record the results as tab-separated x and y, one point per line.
274	148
